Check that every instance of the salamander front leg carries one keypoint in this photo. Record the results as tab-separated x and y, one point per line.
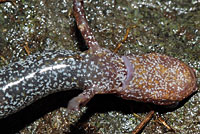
83	26
81	100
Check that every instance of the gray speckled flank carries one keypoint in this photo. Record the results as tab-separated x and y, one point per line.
23	82
38	75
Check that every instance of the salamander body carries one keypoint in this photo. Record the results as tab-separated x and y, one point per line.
23	82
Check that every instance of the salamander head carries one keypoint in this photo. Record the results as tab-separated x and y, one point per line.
158	79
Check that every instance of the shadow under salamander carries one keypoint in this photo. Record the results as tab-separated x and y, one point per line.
99	104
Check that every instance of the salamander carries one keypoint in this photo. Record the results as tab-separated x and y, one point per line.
152	77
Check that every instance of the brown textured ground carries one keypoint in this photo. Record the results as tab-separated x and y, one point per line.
167	27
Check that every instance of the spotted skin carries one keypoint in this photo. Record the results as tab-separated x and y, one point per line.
159	79
23	82
83	26
153	77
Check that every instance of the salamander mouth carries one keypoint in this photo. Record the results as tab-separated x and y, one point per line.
130	70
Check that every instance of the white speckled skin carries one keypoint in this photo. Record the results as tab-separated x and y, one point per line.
23	82
153	77
159	79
